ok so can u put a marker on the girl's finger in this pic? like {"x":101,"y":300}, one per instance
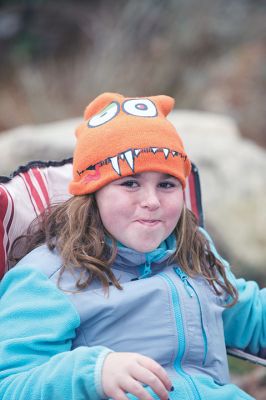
{"x":149,"y":378}
{"x":156,"y":368}
{"x":118,"y":394}
{"x":134,"y":387}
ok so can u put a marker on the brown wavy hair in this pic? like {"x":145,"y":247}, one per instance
{"x":75,"y":229}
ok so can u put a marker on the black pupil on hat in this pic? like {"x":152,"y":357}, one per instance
{"x":141,"y":106}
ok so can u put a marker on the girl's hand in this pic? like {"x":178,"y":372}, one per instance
{"x":126,"y":372}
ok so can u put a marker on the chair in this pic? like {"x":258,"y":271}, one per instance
{"x":31,"y":188}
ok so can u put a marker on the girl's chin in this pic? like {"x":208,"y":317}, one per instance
{"x":144,"y":249}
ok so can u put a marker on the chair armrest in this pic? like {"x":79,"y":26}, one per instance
{"x":246,"y":356}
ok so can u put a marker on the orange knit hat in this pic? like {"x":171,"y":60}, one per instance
{"x":124,"y":136}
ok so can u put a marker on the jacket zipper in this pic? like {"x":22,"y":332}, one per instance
{"x":181,"y":337}
{"x":191,"y":291}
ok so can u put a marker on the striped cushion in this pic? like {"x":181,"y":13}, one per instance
{"x":38,"y":184}
{"x":193,"y":194}
{"x":25,"y":196}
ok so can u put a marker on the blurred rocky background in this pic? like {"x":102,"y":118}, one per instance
{"x":57,"y":55}
{"x":210,"y":55}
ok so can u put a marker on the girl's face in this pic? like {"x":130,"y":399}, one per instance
{"x":142,"y":210}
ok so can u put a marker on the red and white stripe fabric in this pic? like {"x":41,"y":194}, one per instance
{"x":193,"y":194}
{"x":6,"y":218}
{"x":29,"y":192}
{"x":36,"y":186}
{"x":24,"y":197}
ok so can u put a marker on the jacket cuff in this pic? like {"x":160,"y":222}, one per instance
{"x":98,"y":372}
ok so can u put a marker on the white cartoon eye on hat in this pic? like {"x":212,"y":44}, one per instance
{"x":105,"y":115}
{"x":135,"y":107}
{"x":140,"y":107}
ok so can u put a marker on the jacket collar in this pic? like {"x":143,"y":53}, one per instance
{"x":144,"y":264}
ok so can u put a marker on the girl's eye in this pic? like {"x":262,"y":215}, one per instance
{"x":130,"y":184}
{"x":167,"y":185}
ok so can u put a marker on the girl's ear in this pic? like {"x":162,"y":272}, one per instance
{"x":100,"y":102}
{"x":164,"y":103}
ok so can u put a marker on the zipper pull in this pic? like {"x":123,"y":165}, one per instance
{"x":146,"y":269}
{"x":184,"y":278}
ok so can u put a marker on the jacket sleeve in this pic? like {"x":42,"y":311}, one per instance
{"x":37,"y":326}
{"x":245,"y":322}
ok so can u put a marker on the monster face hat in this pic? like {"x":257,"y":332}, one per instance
{"x":125,"y":136}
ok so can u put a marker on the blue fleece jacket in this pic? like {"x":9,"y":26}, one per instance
{"x":53,"y":341}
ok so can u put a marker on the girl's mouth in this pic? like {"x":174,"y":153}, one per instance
{"x":149,"y":222}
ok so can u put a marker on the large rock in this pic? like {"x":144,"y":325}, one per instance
{"x":53,"y":141}
{"x":232,"y":173}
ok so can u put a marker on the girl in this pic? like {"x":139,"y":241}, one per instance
{"x":121,"y":294}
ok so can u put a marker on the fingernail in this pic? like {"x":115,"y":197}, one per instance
{"x":172,"y":389}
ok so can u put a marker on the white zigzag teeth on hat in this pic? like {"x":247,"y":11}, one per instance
{"x":122,"y":156}
{"x":129,"y":157}
{"x":166,"y":152}
{"x":174,"y":153}
{"x":154,"y":149}
{"x":115,"y":165}
{"x":137,"y":151}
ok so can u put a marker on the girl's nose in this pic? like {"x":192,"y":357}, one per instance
{"x":150,"y":200}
